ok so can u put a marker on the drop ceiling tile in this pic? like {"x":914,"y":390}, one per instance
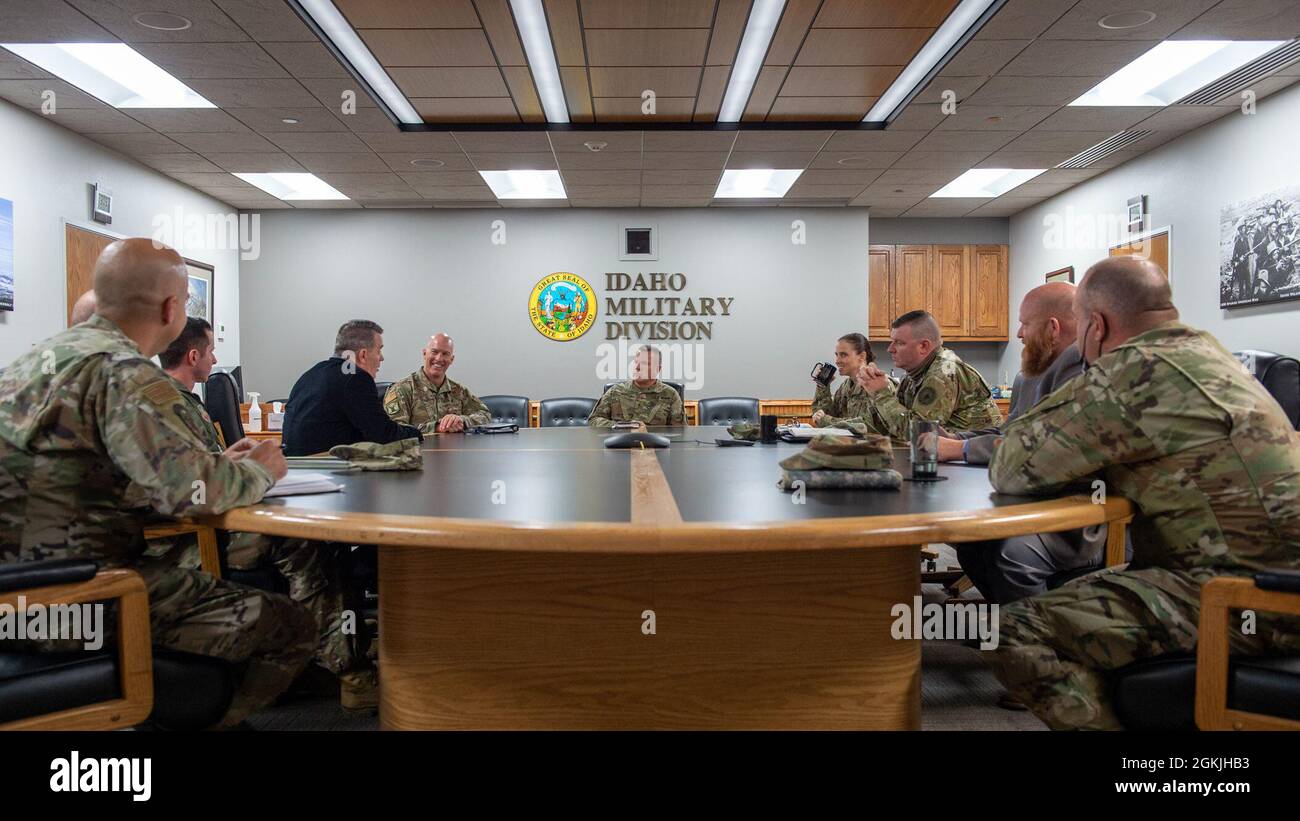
{"x":440,"y":179}
{"x":451,"y":161}
{"x":646,"y":47}
{"x":855,"y":160}
{"x":940,"y":159}
{"x":140,"y":143}
{"x":902,"y":177}
{"x":1056,"y":91}
{"x":222,"y":142}
{"x":1082,"y":21}
{"x":770,"y":159}
{"x":317,"y":141}
{"x":267,"y":20}
{"x":49,"y":22}
{"x":683,"y":160}
{"x":631,"y":81}
{"x":188,"y":61}
{"x":429,"y":47}
{"x":369,"y":185}
{"x":261,"y":162}
{"x":945,"y":206}
{"x":861,"y":46}
{"x":603,"y":160}
{"x":885,"y":203}
{"x":258,"y":205}
{"x":456,"y":192}
{"x":264,"y":120}
{"x":619,"y":178}
{"x":104,"y":120}
{"x":330,"y":91}
{"x":845,"y":176}
{"x":1024,"y":19}
{"x":965,"y":141}
{"x":500,"y":161}
{"x":441,"y":83}
{"x":1071,"y":142}
{"x":254,"y":92}
{"x":647,"y":13}
{"x":409,"y":14}
{"x":316,"y":204}
{"x":500,"y":142}
{"x":535,"y":203}
{"x":602,"y":191}
{"x":341,"y":161}
{"x":210,"y":180}
{"x":919,"y":117}
{"x":629,"y":109}
{"x":1034,"y":188}
{"x":891,"y":139}
{"x":781,"y":140}
{"x":1245,"y":20}
{"x":662,"y":192}
{"x":625,"y":202}
{"x":1004,"y":207}
{"x":305,"y":60}
{"x":838,"y":192}
{"x":32,"y":94}
{"x":689,"y":141}
{"x":899,"y":191}
{"x":1096,"y":118}
{"x":961,"y":87}
{"x":170,"y":163}
{"x":883,"y":211}
{"x":1076,"y":58}
{"x":366,"y":121}
{"x":838,"y":81}
{"x":405,"y":141}
{"x":661,"y":178}
{"x":207,"y":23}
{"x":1013,"y":118}
{"x":1007,"y":158}
{"x":13,"y":67}
{"x":1182,"y":117}
{"x":984,"y":58}
{"x":240,"y":191}
{"x":820,"y":109}
{"x":564,"y":142}
{"x":1074,"y":176}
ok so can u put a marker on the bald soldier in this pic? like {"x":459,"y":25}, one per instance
{"x":86,"y":415}
{"x":939,"y":386}
{"x":1171,"y":421}
{"x":429,"y":400}
{"x":643,"y":399}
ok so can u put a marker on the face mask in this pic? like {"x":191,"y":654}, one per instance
{"x":1083,"y":350}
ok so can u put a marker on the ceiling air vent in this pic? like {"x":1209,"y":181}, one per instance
{"x":1103,"y":149}
{"x":1252,"y":72}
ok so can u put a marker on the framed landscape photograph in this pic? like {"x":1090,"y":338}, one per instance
{"x":199,"y":303}
{"x":6,"y":254}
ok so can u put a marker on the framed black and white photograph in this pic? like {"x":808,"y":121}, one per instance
{"x":1259,"y":249}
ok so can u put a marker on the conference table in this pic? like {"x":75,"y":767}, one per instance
{"x":540,"y":580}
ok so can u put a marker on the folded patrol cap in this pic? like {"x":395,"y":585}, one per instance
{"x":403,"y":454}
{"x":872,"y":452}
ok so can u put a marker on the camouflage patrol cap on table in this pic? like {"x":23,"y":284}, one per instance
{"x":872,"y":452}
{"x":403,"y":454}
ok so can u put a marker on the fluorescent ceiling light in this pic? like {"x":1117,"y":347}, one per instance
{"x":1174,"y":69}
{"x":533,"y":30}
{"x":525,"y":185}
{"x":952,"y":30}
{"x":987,"y":182}
{"x":759,"y":29}
{"x":755,"y":183}
{"x":293,"y":186}
{"x":114,"y":72}
{"x":335,"y":27}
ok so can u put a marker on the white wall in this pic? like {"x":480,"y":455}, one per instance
{"x":1187,"y":181}
{"x":46,"y":170}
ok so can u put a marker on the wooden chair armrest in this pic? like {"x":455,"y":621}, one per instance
{"x":134,"y":651}
{"x":209,"y":557}
{"x":1219,"y":597}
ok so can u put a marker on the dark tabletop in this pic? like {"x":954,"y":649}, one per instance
{"x":565,"y":475}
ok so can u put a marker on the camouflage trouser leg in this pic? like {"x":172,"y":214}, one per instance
{"x":193,"y":612}
{"x":316,"y":580}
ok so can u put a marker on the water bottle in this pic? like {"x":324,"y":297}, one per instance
{"x":254,"y":413}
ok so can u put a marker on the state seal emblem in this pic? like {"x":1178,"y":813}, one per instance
{"x":562,"y":306}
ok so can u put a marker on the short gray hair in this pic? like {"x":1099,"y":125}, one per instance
{"x":922,"y":323}
{"x":356,"y":335}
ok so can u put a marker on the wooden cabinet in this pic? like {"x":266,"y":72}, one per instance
{"x":963,"y":286}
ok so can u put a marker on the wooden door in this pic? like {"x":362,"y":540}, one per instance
{"x":913,"y":283}
{"x":950,"y":302}
{"x":988,"y":290}
{"x":82,"y":248}
{"x":1154,"y":247}
{"x":880,"y":290}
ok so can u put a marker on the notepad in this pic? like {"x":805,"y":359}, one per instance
{"x":297,"y":483}
{"x":808,"y":431}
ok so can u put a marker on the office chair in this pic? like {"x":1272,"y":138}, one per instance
{"x":382,"y":388}
{"x":221,"y":398}
{"x":1280,"y":375}
{"x":567,"y":411}
{"x":507,"y":409}
{"x":728,"y":410}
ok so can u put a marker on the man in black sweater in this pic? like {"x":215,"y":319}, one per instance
{"x":336,"y":403}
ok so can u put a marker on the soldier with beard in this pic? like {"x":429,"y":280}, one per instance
{"x":1005,"y":570}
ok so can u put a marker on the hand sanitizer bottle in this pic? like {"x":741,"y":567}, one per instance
{"x":254,"y":413}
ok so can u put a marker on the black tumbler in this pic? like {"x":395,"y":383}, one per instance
{"x":767,"y":428}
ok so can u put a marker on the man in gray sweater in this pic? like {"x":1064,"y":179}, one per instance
{"x":1008,"y":569}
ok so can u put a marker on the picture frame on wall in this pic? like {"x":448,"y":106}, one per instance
{"x":1065,"y":274}
{"x":6,"y":254}
{"x":1259,"y":249}
{"x":199,"y":302}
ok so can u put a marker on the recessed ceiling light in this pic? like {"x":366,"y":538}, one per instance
{"x":756,"y":183}
{"x":289,"y":121}
{"x":759,"y":28}
{"x":536,"y":36}
{"x":293,"y":186}
{"x":335,"y":28}
{"x":162,"y":21}
{"x":1126,"y":19}
{"x":114,"y":72}
{"x":424,"y":162}
{"x":596,"y":145}
{"x":525,"y":185}
{"x":1172,"y":70}
{"x":987,"y":182}
{"x":956,"y":26}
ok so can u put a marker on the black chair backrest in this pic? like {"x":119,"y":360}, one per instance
{"x":507,"y":409}
{"x":1280,"y":375}
{"x":677,"y":386}
{"x":728,"y":410}
{"x":382,"y":388}
{"x":221,"y":398}
{"x":565,"y":411}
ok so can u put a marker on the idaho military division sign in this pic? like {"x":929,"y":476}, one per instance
{"x":562,"y":307}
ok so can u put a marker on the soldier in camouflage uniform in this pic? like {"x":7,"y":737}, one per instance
{"x":430,"y":401}
{"x":850,"y":401}
{"x":1170,"y":420}
{"x":85,"y":414}
{"x":939,"y":387}
{"x":312,"y":569}
{"x":644,"y":399}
